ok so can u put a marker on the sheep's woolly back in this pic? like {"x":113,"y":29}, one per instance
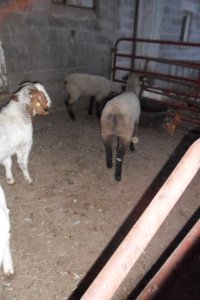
{"x":89,"y":85}
{"x":4,"y":224}
{"x":120,"y":115}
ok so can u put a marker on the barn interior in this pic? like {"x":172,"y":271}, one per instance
{"x":68,"y":223}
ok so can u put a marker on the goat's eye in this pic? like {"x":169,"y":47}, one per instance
{"x":38,"y":104}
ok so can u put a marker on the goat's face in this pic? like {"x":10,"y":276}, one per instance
{"x":39,"y":102}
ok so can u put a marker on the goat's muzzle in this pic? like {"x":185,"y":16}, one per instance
{"x":39,"y":103}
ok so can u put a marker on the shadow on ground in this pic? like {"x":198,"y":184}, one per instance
{"x":175,"y":157}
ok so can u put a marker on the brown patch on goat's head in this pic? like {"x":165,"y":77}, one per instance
{"x":14,"y":98}
{"x":39,"y":103}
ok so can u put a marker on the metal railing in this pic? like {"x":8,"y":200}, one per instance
{"x":186,"y":99}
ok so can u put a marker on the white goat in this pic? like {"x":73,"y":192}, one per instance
{"x":120,"y":117}
{"x":16,"y":126}
{"x":97,"y":87}
{"x":5,"y":254}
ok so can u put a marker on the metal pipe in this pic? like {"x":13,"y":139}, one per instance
{"x":157,"y":282}
{"x":118,"y":266}
{"x":152,"y":41}
{"x":135,"y":27}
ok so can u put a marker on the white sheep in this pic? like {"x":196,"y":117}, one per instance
{"x":96,"y":87}
{"x":5,"y":254}
{"x":16,"y":126}
{"x":120,"y":117}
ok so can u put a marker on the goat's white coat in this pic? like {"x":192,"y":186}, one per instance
{"x":5,"y":254}
{"x":89,"y":85}
{"x":16,"y":132}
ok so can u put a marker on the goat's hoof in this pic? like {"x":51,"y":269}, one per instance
{"x":9,"y":272}
{"x":10,"y":181}
{"x":29,"y":180}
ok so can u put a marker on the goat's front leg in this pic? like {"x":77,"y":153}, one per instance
{"x":8,"y":269}
{"x":22,"y":159}
{"x":7,"y":163}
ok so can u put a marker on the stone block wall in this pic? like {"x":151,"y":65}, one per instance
{"x":44,"y":41}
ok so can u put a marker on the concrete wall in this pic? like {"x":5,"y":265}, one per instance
{"x":173,"y":12}
{"x":43,"y":41}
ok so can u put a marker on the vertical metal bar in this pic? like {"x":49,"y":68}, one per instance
{"x":118,"y":266}
{"x":136,"y":15}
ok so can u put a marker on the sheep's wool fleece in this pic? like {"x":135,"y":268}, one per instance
{"x":90,"y":85}
{"x":119,"y":116}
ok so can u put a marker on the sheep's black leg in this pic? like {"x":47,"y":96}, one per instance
{"x":132,"y":147}
{"x":108,"y":149}
{"x":91,"y":104}
{"x":98,"y":110}
{"x":70,"y":110}
{"x":119,"y":161}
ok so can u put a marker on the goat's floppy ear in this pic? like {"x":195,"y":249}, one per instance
{"x":39,"y":102}
{"x":26,"y":83}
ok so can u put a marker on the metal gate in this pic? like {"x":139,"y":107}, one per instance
{"x":176,"y":81}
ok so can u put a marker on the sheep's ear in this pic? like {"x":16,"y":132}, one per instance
{"x":14,"y":97}
{"x":39,"y":102}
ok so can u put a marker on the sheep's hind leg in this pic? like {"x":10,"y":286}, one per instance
{"x":98,"y":110}
{"x":121,"y":150}
{"x":70,"y":109}
{"x":7,"y":163}
{"x":108,"y":149}
{"x":22,"y":159}
{"x":91,"y":105}
{"x":132,"y":147}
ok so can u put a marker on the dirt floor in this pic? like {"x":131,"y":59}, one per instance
{"x":67,"y":224}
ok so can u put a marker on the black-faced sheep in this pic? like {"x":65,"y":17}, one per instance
{"x":120,"y":117}
{"x":5,"y":254}
{"x":16,"y":126}
{"x":96,"y":87}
